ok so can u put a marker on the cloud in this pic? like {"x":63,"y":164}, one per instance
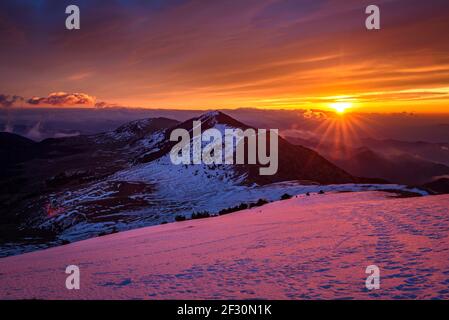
{"x":80,"y":76}
{"x":35,"y":132}
{"x":440,"y":177}
{"x":56,"y":99}
{"x":315,"y":114}
{"x":298,"y":133}
{"x":103,"y":104}
{"x":64,"y":99}
{"x":8,"y":128}
{"x":9,"y":101}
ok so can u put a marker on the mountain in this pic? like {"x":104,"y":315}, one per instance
{"x":15,"y":149}
{"x":136,"y":131}
{"x":84,"y":186}
{"x":412,"y":163}
{"x":427,"y":151}
{"x":439,"y":186}
{"x":34,"y":171}
{"x":11,"y":142}
{"x":401,"y":168}
{"x":295,"y":162}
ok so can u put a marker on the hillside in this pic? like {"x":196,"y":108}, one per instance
{"x":315,"y":247}
{"x":15,"y":149}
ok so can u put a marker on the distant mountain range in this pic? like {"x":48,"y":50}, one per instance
{"x":412,"y":163}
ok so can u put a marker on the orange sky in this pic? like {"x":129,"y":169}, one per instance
{"x":216,"y":54}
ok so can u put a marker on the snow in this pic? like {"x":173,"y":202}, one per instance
{"x":315,"y":247}
{"x":178,"y":190}
{"x":215,"y":189}
{"x":128,"y":131}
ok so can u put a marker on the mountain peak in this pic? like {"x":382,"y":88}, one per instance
{"x":212,"y":118}
{"x":138,"y":129}
{"x":212,"y":114}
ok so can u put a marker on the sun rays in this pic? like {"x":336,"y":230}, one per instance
{"x":341,"y":135}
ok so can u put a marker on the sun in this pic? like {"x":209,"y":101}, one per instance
{"x":341,"y":107}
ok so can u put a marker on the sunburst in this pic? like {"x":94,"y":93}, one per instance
{"x":341,"y":107}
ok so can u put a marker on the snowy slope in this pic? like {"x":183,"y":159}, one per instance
{"x":176,"y":190}
{"x":315,"y":247}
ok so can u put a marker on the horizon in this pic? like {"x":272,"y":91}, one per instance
{"x":329,"y":110}
{"x":41,"y":123}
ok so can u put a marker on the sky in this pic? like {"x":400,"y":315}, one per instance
{"x":198,"y":54}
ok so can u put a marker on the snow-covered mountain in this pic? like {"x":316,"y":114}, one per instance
{"x":295,"y":162}
{"x":86,"y":186}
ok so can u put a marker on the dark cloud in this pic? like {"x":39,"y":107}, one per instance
{"x":9,"y":101}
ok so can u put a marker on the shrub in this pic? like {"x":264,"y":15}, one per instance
{"x":107,"y":232}
{"x":286,"y":196}
{"x":240,"y":207}
{"x":259,"y":203}
{"x":180,"y":218}
{"x":200,"y":215}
